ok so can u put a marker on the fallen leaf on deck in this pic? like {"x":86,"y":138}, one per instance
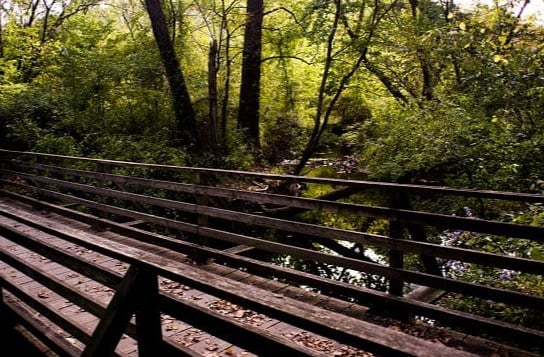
{"x":212,"y":348}
{"x":240,"y":313}
{"x":44,"y":294}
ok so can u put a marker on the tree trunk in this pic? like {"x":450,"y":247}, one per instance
{"x":226,"y":92}
{"x":1,"y":38}
{"x":183,"y":109}
{"x":212,"y":141}
{"x":248,"y":111}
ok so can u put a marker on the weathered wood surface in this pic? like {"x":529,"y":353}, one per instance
{"x":337,"y":314}
{"x":393,"y":214}
{"x":347,"y":330}
{"x":513,"y":196}
{"x":485,"y":292}
{"x":374,"y":298}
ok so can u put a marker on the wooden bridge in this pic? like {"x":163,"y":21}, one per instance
{"x":101,"y":257}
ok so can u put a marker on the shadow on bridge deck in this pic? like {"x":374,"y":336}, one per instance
{"x":17,"y":341}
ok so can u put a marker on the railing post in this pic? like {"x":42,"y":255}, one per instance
{"x":396,"y":257}
{"x":136,"y":294}
{"x":148,"y":317}
{"x":202,"y":199}
{"x":202,"y":220}
{"x":101,"y":168}
{"x":39,"y":160}
{"x":2,"y":303}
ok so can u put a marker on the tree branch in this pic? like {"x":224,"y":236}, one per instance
{"x":284,"y":57}
{"x":281,"y":8}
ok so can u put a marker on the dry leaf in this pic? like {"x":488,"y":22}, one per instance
{"x":44,"y":294}
{"x":240,"y":313}
{"x":212,"y":347}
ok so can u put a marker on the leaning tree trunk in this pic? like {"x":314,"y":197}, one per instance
{"x":248,"y":111}
{"x":183,"y":109}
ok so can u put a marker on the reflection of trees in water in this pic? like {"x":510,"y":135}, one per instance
{"x":336,"y":273}
{"x":333,"y":272}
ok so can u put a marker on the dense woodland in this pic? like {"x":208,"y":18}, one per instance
{"x":409,"y":91}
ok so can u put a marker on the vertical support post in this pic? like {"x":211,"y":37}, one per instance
{"x":148,"y":317}
{"x":2,"y":304}
{"x":202,"y":199}
{"x":202,"y":220}
{"x":3,"y":313}
{"x":396,"y":257}
{"x":39,"y":160}
{"x":136,"y":294}
{"x":101,"y":168}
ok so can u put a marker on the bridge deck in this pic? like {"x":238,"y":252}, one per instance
{"x":179,"y":332}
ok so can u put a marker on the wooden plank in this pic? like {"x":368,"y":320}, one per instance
{"x":253,"y":338}
{"x":85,"y":302}
{"x":42,"y":307}
{"x":471,"y":322}
{"x":233,"y":290}
{"x":44,"y":332}
{"x":496,"y":294}
{"x":355,"y":332}
{"x":485,"y":292}
{"x":239,"y":249}
{"x":134,"y":223}
{"x":53,"y":283}
{"x":422,"y":248}
{"x":186,"y":227}
{"x":75,"y":263}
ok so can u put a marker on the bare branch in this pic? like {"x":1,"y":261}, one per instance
{"x":281,"y":8}
{"x":284,"y":57}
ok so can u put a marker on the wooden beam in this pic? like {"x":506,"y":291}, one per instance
{"x":44,"y":332}
{"x":148,"y":317}
{"x":239,"y":249}
{"x":386,"y":186}
{"x":399,"y":215}
{"x":122,"y":307}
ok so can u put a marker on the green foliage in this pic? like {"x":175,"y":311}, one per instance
{"x":283,"y":139}
{"x":501,"y":279}
{"x":401,"y":139}
{"x":54,"y":144}
{"x":451,"y":144}
{"x":127,"y":148}
{"x":531,"y":284}
{"x":240,"y":153}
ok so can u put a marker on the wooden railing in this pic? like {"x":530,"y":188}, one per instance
{"x":199,"y":212}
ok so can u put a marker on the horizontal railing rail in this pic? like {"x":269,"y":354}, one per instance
{"x":201,"y":210}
